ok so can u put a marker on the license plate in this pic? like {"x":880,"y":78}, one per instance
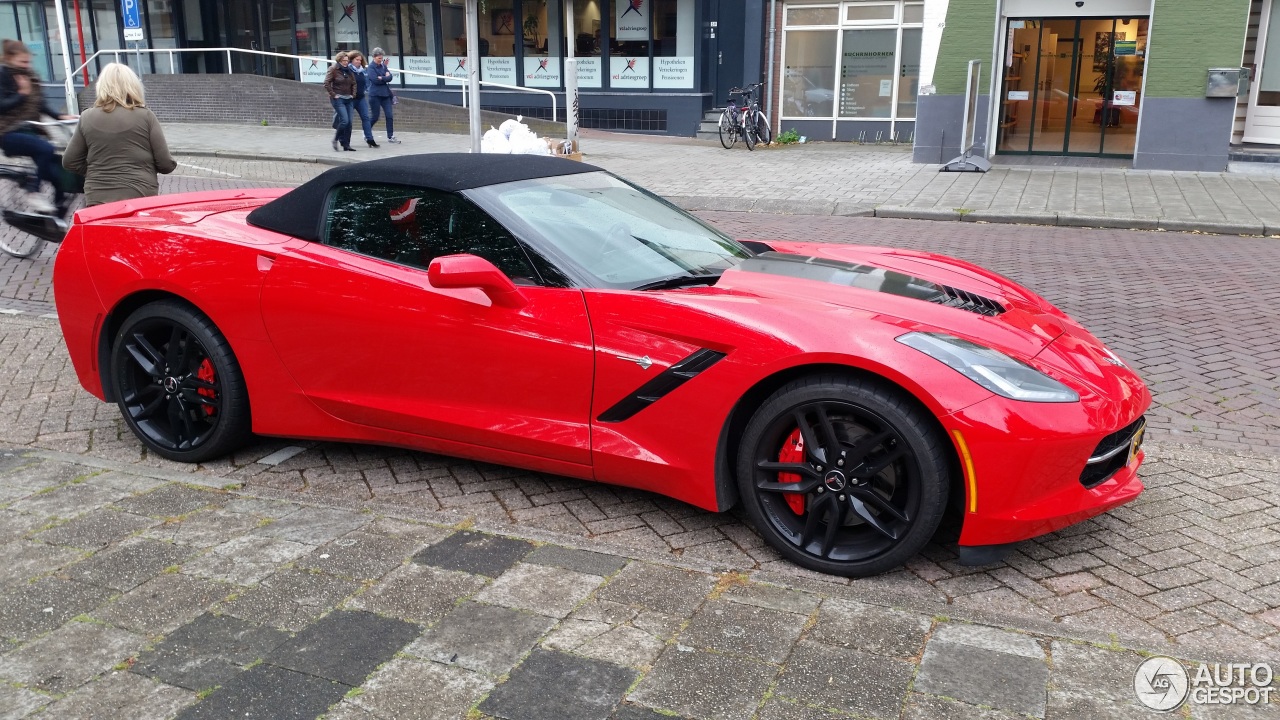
{"x":1135,"y":443}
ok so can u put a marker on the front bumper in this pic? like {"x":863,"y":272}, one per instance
{"x":1029,"y":465}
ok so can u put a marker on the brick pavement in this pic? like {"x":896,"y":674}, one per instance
{"x":1190,"y":566}
{"x":126,"y":593}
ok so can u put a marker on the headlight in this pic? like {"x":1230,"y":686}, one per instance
{"x":991,"y":369}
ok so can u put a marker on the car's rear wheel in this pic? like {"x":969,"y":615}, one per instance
{"x":843,"y":476}
{"x":178,"y":384}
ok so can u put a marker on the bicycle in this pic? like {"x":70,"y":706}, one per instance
{"x":34,"y":229}
{"x":746,"y":120}
{"x":754,"y":120}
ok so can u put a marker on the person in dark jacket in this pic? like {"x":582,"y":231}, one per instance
{"x":340,"y":83}
{"x":381,"y":98}
{"x":21,"y":101}
{"x":359,"y":103}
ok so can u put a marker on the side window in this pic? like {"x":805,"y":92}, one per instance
{"x":413,"y":226}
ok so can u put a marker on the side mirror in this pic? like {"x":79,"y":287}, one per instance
{"x":471,"y":271}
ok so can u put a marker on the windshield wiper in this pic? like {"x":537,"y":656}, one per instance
{"x":679,"y":281}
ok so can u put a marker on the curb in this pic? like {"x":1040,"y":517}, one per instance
{"x":1255,"y":228}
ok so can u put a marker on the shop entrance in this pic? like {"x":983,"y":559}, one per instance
{"x":1262,"y":123}
{"x":1072,"y":86}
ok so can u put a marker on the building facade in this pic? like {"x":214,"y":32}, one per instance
{"x":1107,"y":78}
{"x":644,"y":65}
{"x":1153,"y":81}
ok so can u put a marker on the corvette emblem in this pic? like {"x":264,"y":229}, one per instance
{"x":644,"y":362}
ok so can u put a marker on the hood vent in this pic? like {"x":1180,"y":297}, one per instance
{"x":868,"y":277}
{"x":963,"y":300}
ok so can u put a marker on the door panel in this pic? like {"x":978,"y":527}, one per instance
{"x":372,"y":342}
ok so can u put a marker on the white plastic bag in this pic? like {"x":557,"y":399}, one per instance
{"x":524,"y":142}
{"x":494,"y":141}
{"x":509,"y":125}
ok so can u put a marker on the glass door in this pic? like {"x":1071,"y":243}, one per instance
{"x":1072,"y":86}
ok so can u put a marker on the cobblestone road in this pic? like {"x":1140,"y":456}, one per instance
{"x":1192,"y":563}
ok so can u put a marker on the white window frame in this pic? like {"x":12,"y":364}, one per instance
{"x":845,"y":24}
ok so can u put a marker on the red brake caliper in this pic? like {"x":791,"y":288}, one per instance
{"x":205,"y":373}
{"x":792,"y":452}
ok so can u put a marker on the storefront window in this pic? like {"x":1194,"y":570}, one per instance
{"x":417,"y":47}
{"x":543,"y":40}
{"x":280,"y":39}
{"x":864,"y":66}
{"x":31,"y":32}
{"x":909,"y":72}
{"x":344,"y":24}
{"x":587,"y":43}
{"x":870,"y":13}
{"x":309,"y":27}
{"x":866,"y":73}
{"x":499,"y":31}
{"x":797,"y":16}
{"x":160,"y":19}
{"x":631,"y":25}
{"x":453,"y":33}
{"x":673,"y":44}
{"x":809,"y":77}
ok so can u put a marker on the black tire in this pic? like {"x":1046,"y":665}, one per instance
{"x":748,"y":133}
{"x":763,"y":132}
{"x":178,"y":384}
{"x":728,"y":133}
{"x":853,"y":521}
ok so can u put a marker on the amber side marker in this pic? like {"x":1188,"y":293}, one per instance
{"x":968,"y":470}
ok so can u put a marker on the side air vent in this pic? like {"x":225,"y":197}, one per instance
{"x":964,"y":300}
{"x":662,"y":385}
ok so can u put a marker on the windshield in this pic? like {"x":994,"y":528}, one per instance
{"x":615,"y":233}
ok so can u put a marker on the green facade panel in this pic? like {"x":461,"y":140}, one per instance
{"x":967,"y":36}
{"x":1187,"y":38}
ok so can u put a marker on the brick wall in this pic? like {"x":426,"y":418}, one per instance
{"x":235,"y":99}
{"x":1188,"y":38}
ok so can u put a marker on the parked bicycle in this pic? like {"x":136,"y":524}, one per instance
{"x":744,"y":119}
{"x":34,"y":229}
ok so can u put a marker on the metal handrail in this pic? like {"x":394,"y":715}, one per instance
{"x":74,"y":107}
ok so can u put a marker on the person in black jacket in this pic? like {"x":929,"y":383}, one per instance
{"x":20,"y":102}
{"x":359,"y":104}
{"x":381,"y":99}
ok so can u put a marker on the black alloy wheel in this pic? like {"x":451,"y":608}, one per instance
{"x":842,"y":475}
{"x":178,"y":384}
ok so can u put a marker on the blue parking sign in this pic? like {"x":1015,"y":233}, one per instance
{"x":132,"y":20}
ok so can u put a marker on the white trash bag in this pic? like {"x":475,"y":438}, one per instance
{"x":494,"y":141}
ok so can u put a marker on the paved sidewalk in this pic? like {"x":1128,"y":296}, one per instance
{"x":136,"y":592}
{"x":841,"y":179}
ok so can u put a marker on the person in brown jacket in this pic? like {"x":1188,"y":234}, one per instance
{"x":119,"y":146}
{"x":340,"y":82}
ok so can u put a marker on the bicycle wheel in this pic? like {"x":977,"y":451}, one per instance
{"x":748,"y":132}
{"x":763,"y":132}
{"x":16,"y":240}
{"x":728,"y":132}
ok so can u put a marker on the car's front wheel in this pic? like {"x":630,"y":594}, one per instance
{"x":178,"y":384}
{"x":842,"y":475}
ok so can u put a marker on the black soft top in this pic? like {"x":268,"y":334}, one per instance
{"x":299,"y":212}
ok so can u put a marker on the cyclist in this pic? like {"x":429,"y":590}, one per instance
{"x":20,"y":102}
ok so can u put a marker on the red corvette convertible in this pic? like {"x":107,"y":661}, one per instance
{"x":545,"y":314}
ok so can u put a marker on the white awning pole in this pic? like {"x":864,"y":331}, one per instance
{"x":69,"y":84}
{"x":570,"y":75}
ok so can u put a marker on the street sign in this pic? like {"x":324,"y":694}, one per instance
{"x":132,"y":20}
